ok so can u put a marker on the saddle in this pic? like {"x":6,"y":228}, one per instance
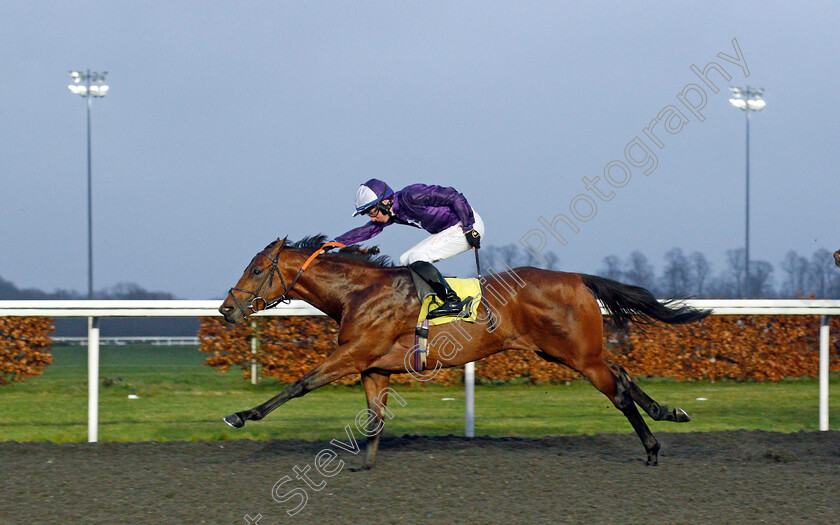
{"x":470,"y":292}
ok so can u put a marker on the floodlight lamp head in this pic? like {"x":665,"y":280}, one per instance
{"x":756,"y":104}
{"x":749,"y":99}
{"x":87,"y":84}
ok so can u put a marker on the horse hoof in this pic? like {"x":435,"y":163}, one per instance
{"x":680,"y":416}
{"x":653,"y":455}
{"x":234,"y":420}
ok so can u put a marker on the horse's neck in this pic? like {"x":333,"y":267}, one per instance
{"x":325,"y":283}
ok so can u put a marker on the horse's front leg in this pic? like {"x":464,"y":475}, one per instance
{"x":335,"y":367}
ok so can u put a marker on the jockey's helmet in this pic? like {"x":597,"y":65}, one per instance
{"x":370,"y":194}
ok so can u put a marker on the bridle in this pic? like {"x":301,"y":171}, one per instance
{"x":258,"y":295}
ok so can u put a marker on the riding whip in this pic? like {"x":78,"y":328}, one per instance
{"x":481,"y":287}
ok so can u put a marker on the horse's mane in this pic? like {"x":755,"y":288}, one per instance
{"x":313,"y":242}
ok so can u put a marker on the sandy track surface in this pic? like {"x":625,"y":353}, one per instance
{"x":711,"y":477}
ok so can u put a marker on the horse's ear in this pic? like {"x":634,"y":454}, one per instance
{"x":282,"y":241}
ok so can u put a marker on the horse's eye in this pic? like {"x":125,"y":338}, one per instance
{"x":257,"y":271}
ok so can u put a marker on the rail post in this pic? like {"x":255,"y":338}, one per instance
{"x":469,"y":399}
{"x":824,"y":340}
{"x":255,"y":344}
{"x":93,"y":379}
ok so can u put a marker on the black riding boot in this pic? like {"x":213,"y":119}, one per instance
{"x":452,"y":304}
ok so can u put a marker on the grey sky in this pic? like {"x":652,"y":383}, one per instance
{"x":230,"y":124}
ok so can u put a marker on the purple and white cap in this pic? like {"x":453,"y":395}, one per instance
{"x":370,"y":194}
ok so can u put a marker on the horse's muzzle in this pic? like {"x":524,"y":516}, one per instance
{"x":230,"y":313}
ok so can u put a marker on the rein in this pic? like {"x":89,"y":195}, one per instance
{"x":258,"y":294}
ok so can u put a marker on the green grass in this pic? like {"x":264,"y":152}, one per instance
{"x":181,"y":400}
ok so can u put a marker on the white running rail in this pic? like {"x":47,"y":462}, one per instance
{"x":93,"y":310}
{"x":166,"y":340}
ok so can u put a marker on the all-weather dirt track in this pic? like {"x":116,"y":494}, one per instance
{"x":710,"y":477}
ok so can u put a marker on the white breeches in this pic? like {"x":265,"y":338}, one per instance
{"x":442,"y":245}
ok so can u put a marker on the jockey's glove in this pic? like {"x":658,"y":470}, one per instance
{"x":473,"y":238}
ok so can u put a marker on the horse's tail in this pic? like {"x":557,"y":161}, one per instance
{"x":633,"y":303}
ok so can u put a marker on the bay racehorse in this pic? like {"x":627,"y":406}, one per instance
{"x":555,"y":314}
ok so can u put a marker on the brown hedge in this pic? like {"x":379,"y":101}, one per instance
{"x":762,"y":348}
{"x":289,"y":346}
{"x":24,"y":347}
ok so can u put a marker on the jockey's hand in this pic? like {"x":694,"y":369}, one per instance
{"x":473,"y":238}
{"x":374,"y":250}
{"x":328,"y":248}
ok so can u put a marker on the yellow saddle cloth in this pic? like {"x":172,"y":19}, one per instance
{"x":465,"y":288}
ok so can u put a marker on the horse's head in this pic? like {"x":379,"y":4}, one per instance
{"x":261,"y":286}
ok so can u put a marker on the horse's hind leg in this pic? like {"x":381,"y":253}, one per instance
{"x":656,"y":411}
{"x":619,"y":392}
{"x":617,"y":388}
{"x":376,"y":391}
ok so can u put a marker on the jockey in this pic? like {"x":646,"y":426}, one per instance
{"x":443,"y":212}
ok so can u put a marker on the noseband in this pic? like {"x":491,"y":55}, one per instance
{"x":258,"y":295}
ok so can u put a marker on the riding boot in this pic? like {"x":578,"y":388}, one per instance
{"x":452,"y":304}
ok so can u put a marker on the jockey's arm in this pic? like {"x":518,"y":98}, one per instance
{"x":362,"y":233}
